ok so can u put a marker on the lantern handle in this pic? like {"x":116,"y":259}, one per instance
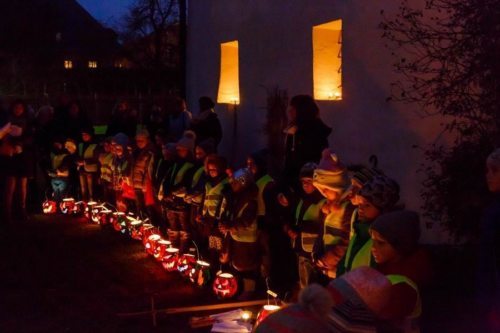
{"x":198,"y":257}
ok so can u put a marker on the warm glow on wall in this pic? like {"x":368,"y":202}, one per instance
{"x":68,"y":64}
{"x":327,"y":61}
{"x":229,"y":84}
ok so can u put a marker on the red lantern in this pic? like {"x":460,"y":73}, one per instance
{"x":78,"y":208}
{"x":161,"y":249}
{"x":104,"y":216}
{"x":170,"y":259}
{"x":264,"y":312}
{"x":118,"y":220}
{"x":147,"y":230}
{"x":225,"y":285}
{"x":49,"y":207}
{"x":67,"y":205}
{"x":186,"y":262}
{"x":135,"y":229}
{"x":151,"y":243}
{"x":88,"y":210}
{"x":200,"y":274}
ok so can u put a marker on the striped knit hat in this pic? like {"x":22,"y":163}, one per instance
{"x":331,"y":173}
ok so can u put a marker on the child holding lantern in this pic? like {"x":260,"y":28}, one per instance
{"x":239,"y":225}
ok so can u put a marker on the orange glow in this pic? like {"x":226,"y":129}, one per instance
{"x":229,"y":85}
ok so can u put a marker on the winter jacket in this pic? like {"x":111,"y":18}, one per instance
{"x":142,"y":169}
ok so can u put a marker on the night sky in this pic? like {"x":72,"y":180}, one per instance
{"x":106,"y":11}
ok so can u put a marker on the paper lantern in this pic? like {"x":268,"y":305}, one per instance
{"x":229,"y":85}
{"x":170,"y":259}
{"x":135,"y":229}
{"x":264,"y":312}
{"x":103,"y":216}
{"x":225,"y":285}
{"x":161,"y":249}
{"x":67,"y":205}
{"x":49,"y":207}
{"x":88,"y":210}
{"x":327,"y":61}
{"x":78,"y":208}
{"x":150,"y":245}
{"x":200,"y":274}
{"x":147,"y":230}
{"x":186,"y":262}
{"x":118,"y":220}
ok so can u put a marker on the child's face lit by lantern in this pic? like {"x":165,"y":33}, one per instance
{"x":307,"y":185}
{"x":86,"y":137}
{"x":199,"y":154}
{"x":141,"y":141}
{"x":329,"y":193}
{"x":252,"y":166}
{"x":18,"y":109}
{"x":493,"y":175}
{"x":182,"y":152}
{"x":213,"y":172}
{"x":118,"y":150}
{"x":366,"y":210}
{"x":382,"y":250}
{"x":108,"y":147}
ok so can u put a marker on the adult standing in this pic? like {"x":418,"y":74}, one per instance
{"x":124,"y":120}
{"x":306,"y":137}
{"x":206,"y":124}
{"x":179,"y":120}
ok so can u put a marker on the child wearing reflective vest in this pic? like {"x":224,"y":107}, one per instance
{"x":106,"y":175}
{"x":239,"y":225}
{"x":330,"y":178}
{"x":306,"y":224}
{"x":173,"y":190}
{"x":379,"y":195}
{"x":212,"y":210}
{"x":397,"y":254}
{"x":120,"y":171}
{"x":88,"y":164}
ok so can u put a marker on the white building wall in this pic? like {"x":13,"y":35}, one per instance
{"x":275,"y":47}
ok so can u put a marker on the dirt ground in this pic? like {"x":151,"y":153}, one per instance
{"x":61,"y":275}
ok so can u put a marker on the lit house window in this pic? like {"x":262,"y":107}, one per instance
{"x":229,"y":85}
{"x":68,"y":64}
{"x":92,"y":64}
{"x":327,"y":61}
{"x":118,"y":64}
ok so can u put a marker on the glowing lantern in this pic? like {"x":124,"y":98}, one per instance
{"x":264,"y":312}
{"x":225,"y":285}
{"x":103,"y":216}
{"x":150,"y":245}
{"x":170,"y":259}
{"x":186,"y":262}
{"x":147,"y":230}
{"x":78,"y":208}
{"x":200,"y":273}
{"x":327,"y":61}
{"x":161,"y":249}
{"x":67,"y":205}
{"x":118,"y":221}
{"x":229,"y":85}
{"x":88,"y":210}
{"x":134,"y":228}
{"x":49,"y":207}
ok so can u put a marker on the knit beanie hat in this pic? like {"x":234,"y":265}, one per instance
{"x":381,"y":191}
{"x":307,"y":170}
{"x":400,"y":228}
{"x":242,"y":176}
{"x":365,"y":293}
{"x":122,"y":140}
{"x":208,"y":146}
{"x":205,"y":103}
{"x":187,"y":141}
{"x":330,"y":173}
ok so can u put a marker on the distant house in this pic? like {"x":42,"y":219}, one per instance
{"x":332,"y":50}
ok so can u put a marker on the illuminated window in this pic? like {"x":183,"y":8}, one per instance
{"x":229,"y":85}
{"x":327,"y":61}
{"x":118,"y":64}
{"x":68,"y":64}
{"x":92,"y":64}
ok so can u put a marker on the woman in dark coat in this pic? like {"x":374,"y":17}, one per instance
{"x":306,"y":137}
